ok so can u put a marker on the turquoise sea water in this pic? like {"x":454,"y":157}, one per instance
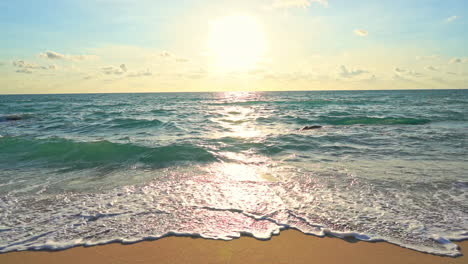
{"x":96,"y":168}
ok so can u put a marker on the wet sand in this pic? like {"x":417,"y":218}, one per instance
{"x":287,"y":248}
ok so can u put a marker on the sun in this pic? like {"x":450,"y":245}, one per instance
{"x":236,"y":43}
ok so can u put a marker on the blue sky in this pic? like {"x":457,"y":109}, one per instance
{"x":305,"y":45}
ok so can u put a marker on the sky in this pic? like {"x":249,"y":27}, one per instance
{"x":100,"y":46}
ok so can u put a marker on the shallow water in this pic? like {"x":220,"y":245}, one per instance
{"x":90,"y":169}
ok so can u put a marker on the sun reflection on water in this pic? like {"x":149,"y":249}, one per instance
{"x":240,"y":122}
{"x":243,"y":167}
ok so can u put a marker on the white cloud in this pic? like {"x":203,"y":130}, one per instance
{"x":322,"y":2}
{"x":431,"y":68}
{"x":52,"y":55}
{"x":165,"y":54}
{"x":407,"y":73}
{"x":122,"y":70}
{"x":297,"y":3}
{"x":111,"y":70}
{"x":181,"y":60}
{"x":24,"y":71}
{"x":361,"y":32}
{"x":139,"y":74}
{"x":427,"y":57}
{"x":451,"y":19}
{"x":346,"y":73}
{"x":171,"y":56}
{"x":123,"y":67}
{"x":28,"y":67}
{"x":458,"y":60}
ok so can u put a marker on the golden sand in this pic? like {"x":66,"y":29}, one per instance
{"x":287,"y":248}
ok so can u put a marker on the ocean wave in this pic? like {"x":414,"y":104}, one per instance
{"x":163,"y":111}
{"x":374,"y":121}
{"x":59,"y":152}
{"x":131,"y":123}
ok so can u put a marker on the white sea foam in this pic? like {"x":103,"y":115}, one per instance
{"x":216,"y":205}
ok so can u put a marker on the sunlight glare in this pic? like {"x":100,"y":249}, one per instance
{"x":236,"y":43}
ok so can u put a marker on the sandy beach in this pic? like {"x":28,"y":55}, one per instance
{"x":289,"y":247}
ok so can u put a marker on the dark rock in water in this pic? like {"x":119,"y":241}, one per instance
{"x":11,"y":118}
{"x":311,"y":127}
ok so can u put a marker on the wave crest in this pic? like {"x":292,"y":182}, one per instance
{"x":59,"y":152}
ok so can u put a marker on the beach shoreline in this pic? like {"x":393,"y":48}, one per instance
{"x":290,"y":246}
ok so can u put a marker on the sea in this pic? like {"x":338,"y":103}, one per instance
{"x":88,"y":169}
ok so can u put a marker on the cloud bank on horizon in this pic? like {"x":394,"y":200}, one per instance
{"x":117,"y":46}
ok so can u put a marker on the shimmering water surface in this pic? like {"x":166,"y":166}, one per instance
{"x":91,"y":169}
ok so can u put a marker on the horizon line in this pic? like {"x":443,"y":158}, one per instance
{"x":240,"y":91}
